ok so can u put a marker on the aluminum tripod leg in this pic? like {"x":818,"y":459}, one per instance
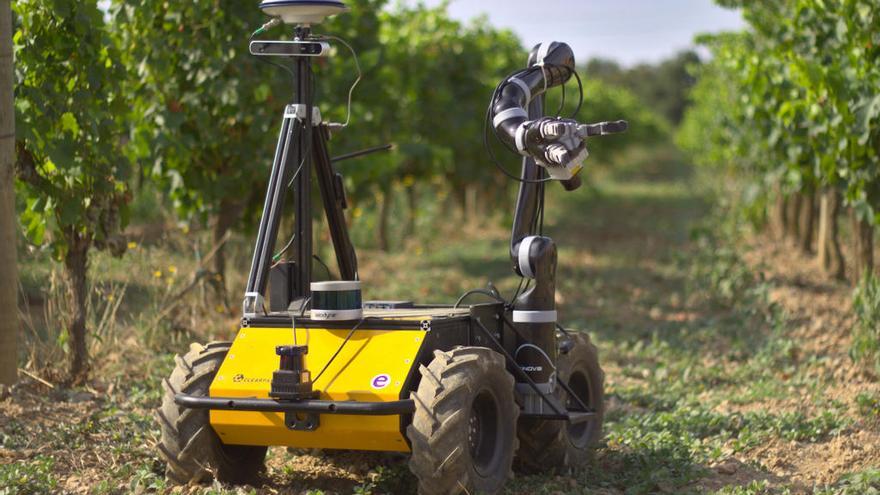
{"x":332,"y":193}
{"x":282,"y":168}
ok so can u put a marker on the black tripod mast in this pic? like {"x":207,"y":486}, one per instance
{"x":302,"y":145}
{"x":302,"y":186}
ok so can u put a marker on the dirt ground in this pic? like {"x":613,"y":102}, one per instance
{"x":819,"y":316}
{"x":748,"y":395}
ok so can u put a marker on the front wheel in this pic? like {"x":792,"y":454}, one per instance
{"x":550,"y":445}
{"x":192,"y":450}
{"x":463,"y":433}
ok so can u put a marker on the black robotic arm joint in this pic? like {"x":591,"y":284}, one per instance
{"x":550,"y":65}
{"x":535,"y":257}
{"x":554,"y":53}
{"x":555,"y":144}
{"x":534,"y":310}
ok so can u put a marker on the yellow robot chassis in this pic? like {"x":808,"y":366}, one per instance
{"x":468,"y":390}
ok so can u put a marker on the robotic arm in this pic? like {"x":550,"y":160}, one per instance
{"x":556,"y":144}
{"x":550,"y":146}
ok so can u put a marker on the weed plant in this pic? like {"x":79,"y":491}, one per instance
{"x":866,"y":331}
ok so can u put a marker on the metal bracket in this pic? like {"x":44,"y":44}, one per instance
{"x":534,"y":403}
{"x":511,"y":361}
{"x":559,"y":380}
{"x":295,"y":48}
{"x":302,"y":421}
{"x":548,"y":316}
{"x":298,"y":111}
{"x":253,"y":304}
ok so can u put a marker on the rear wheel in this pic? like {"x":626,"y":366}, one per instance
{"x":192,"y":450}
{"x":550,"y":445}
{"x":463,"y":433}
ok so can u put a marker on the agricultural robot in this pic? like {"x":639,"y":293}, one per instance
{"x":468,"y":390}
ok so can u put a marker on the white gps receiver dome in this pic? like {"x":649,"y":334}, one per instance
{"x":302,"y":11}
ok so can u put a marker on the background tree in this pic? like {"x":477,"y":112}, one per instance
{"x":438,"y":97}
{"x":206,"y":112}
{"x":426,"y":83}
{"x":8,"y":269}
{"x":70,"y":166}
{"x":604,"y":101}
{"x":807,"y":118}
{"x":663,"y":87}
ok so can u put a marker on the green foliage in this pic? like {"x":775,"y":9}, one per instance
{"x":362,"y":29}
{"x":675,"y":389}
{"x":70,"y":125}
{"x":438,"y":79}
{"x":793,"y":102}
{"x":753,"y":488}
{"x":866,"y":331}
{"x":603,"y":101}
{"x":205,"y":111}
{"x":687,"y":429}
{"x":208,"y":111}
{"x":719,"y":274}
{"x":667,"y":448}
{"x":427,"y":82}
{"x":868,"y":405}
{"x":34,"y":476}
{"x":860,"y":483}
{"x":707,"y":134}
{"x":663,"y":87}
{"x":395,"y":478}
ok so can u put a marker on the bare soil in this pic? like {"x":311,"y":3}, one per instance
{"x":624,"y":260}
{"x":819,"y":316}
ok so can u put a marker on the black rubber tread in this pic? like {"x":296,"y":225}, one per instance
{"x":441,"y":455}
{"x":541,"y":446}
{"x":189,"y":445}
{"x":546,"y":446}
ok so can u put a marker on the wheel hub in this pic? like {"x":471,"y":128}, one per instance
{"x":482,"y":436}
{"x":579,"y":433}
{"x":474,"y":432}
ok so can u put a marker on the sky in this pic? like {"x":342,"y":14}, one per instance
{"x":629,"y":31}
